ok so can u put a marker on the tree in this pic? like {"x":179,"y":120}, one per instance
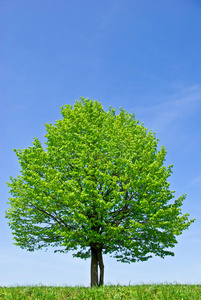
{"x":99,"y":187}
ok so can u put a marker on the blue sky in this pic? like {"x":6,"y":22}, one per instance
{"x":144,"y":56}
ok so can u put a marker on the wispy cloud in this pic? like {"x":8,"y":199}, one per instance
{"x":107,"y":19}
{"x":195,"y":182}
{"x":173,"y":108}
{"x":113,"y":10}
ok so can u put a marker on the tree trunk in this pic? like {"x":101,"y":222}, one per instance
{"x":96,"y":259}
{"x":101,"y":266}
{"x":94,"y":267}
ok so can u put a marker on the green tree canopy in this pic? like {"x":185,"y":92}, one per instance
{"x":100,"y":186}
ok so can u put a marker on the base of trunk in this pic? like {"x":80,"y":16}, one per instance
{"x":96,"y":260}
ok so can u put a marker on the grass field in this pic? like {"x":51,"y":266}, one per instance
{"x":142,"y":292}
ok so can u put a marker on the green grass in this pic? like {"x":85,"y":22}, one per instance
{"x":138,"y":292}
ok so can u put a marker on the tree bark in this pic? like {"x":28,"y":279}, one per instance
{"x":96,"y":259}
{"x":94,"y":267}
{"x":101,"y":266}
